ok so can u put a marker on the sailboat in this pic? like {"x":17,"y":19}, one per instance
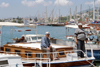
{"x":58,"y":23}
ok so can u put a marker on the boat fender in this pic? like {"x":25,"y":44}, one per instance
{"x":17,"y":65}
{"x":37,"y":65}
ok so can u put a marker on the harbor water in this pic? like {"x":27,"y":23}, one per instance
{"x":56,"y":32}
{"x":8,"y":34}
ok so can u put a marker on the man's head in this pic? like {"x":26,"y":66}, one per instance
{"x":80,"y":25}
{"x":23,"y":38}
{"x":47,"y":34}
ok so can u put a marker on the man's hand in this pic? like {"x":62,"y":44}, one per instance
{"x":75,"y":45}
{"x":76,"y":42}
{"x":48,"y":48}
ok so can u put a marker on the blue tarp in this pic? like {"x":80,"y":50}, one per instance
{"x":96,"y":22}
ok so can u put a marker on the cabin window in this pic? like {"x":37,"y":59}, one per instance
{"x":34,"y":38}
{"x":27,"y":53}
{"x":37,"y":55}
{"x":61,"y":53}
{"x":27,"y":38}
{"x":39,"y":37}
{"x":7,"y":50}
{"x":4,"y":62}
{"x":17,"y":52}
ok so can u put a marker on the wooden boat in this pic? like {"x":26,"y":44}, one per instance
{"x":56,"y":24}
{"x":32,"y":55}
{"x":8,"y":60}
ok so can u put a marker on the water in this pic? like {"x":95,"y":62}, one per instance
{"x":56,"y":32}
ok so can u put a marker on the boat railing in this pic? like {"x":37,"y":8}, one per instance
{"x":44,"y":53}
{"x":10,"y":65}
{"x":40,"y":59}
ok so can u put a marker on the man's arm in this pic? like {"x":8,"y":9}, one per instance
{"x":44,"y":43}
{"x":75,"y":41}
{"x":76,"y":34}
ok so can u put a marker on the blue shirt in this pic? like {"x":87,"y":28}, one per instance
{"x":45,"y":42}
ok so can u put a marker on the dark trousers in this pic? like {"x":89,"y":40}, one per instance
{"x":80,"y":46}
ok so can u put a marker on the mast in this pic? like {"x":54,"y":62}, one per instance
{"x":59,"y":15}
{"x":58,"y":12}
{"x":38,"y":17}
{"x":53,"y":15}
{"x":70,"y":14}
{"x":0,"y":37}
{"x":76,"y":14}
{"x":46,"y":15}
{"x":94,"y":10}
{"x":81,"y":12}
{"x":89,"y":14}
{"x":98,"y":13}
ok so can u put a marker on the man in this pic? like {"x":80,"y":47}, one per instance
{"x":79,"y":39}
{"x":46,"y":46}
{"x":22,"y":39}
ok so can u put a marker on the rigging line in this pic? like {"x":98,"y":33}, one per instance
{"x":52,"y":11}
{"x":36,"y":13}
{"x":55,"y":11}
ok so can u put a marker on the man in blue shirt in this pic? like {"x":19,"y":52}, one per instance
{"x":46,"y":46}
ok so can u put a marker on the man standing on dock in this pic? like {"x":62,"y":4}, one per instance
{"x":80,"y":37}
{"x":46,"y":46}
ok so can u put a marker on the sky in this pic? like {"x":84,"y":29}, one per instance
{"x":27,"y":8}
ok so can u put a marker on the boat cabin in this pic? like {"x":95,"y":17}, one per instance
{"x":32,"y":53}
{"x":33,"y":50}
{"x":33,"y":37}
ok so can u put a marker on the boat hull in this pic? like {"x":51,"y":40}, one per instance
{"x":56,"y":25}
{"x":68,"y":64}
{"x":96,"y":54}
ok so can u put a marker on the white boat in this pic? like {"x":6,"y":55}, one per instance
{"x":90,"y":44}
{"x":33,"y":37}
{"x":32,"y":55}
{"x":9,"y":60}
